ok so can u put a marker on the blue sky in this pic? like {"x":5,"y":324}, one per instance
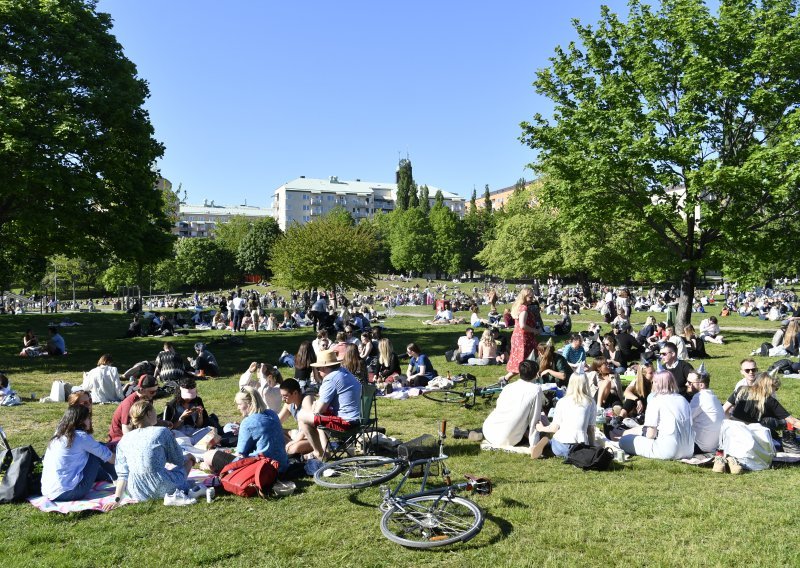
{"x":247,"y":95}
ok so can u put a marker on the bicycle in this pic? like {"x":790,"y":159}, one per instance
{"x":425,"y":519}
{"x":466,"y":397}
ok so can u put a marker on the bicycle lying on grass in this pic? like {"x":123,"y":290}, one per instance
{"x":466,"y":397}
{"x":427,"y":518}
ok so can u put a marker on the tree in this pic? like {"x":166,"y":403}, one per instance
{"x":230,"y":235}
{"x":404,"y":180}
{"x":425,"y":199}
{"x":473,"y":202}
{"x":685,"y":119}
{"x":448,"y":236}
{"x":199,"y":263}
{"x":413,"y":196}
{"x":411,"y":241}
{"x":326,"y":253}
{"x":256,"y":247}
{"x":438,"y":199}
{"x":487,"y":199}
{"x":77,"y":162}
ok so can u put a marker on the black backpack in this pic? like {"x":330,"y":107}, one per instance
{"x":589,"y":457}
{"x":21,"y":473}
{"x":782,"y":365}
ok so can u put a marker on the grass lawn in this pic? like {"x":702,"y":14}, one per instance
{"x":645,"y":513}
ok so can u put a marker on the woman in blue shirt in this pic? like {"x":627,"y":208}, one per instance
{"x":74,"y":460}
{"x":259,"y":433}
{"x":420,"y":369}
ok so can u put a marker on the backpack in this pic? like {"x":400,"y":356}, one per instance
{"x":20,"y":472}
{"x":589,"y":457}
{"x":764,"y":349}
{"x":782,"y":365}
{"x":248,"y":477}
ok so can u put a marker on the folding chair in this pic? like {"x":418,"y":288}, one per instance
{"x":359,"y":435}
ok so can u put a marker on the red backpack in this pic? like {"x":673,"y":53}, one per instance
{"x":248,"y":477}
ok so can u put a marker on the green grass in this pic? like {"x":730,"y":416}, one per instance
{"x":645,"y":513}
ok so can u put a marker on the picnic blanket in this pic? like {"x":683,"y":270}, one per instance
{"x":101,"y":494}
{"x":526,"y":449}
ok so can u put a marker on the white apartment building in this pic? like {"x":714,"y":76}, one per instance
{"x":304,"y":199}
{"x":200,"y":220}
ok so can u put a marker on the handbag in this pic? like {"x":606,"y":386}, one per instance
{"x":60,"y":390}
{"x":20,"y":472}
{"x":248,"y":477}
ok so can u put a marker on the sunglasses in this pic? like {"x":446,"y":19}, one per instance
{"x":750,"y":370}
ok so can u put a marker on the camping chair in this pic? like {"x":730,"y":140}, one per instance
{"x":357,"y":439}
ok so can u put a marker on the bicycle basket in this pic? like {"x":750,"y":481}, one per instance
{"x":423,"y":447}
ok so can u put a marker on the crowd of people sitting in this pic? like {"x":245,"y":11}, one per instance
{"x":667,"y":411}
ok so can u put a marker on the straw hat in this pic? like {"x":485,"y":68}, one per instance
{"x":326,"y":358}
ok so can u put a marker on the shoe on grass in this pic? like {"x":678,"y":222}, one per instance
{"x":197,"y":492}
{"x":720,"y":465}
{"x":178,"y":499}
{"x":734,"y":465}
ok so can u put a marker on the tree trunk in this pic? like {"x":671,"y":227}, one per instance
{"x":685,"y":300}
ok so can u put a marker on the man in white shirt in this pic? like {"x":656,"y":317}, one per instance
{"x":678,"y":342}
{"x":239,"y":305}
{"x":518,"y":410}
{"x":707,"y":412}
{"x":467,"y":346}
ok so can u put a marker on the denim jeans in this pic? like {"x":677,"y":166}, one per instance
{"x":95,"y":470}
{"x":559,"y":449}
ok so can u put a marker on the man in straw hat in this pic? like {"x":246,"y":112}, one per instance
{"x":337,"y":406}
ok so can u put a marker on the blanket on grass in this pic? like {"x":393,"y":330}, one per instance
{"x":101,"y":494}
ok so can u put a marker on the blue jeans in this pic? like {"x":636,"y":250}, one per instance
{"x":95,"y":470}
{"x":560,"y":449}
{"x":287,"y":360}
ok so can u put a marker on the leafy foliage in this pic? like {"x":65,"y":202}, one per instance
{"x":411,"y":240}
{"x":448,"y":237}
{"x":255,"y":248}
{"x":686,"y":120}
{"x":327,"y":253}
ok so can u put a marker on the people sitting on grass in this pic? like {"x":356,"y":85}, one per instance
{"x":74,"y":460}
{"x":573,"y":421}
{"x":518,"y":410}
{"x":695,"y":346}
{"x":121,"y":420}
{"x":388,"y":364}
{"x":169,"y":364}
{"x":338,"y":404}
{"x":574,"y":352}
{"x":56,"y":346}
{"x":709,"y":330}
{"x":142,"y":457}
{"x":353,"y":363}
{"x":680,"y":369}
{"x":756,"y":403}
{"x":205,"y":364}
{"x":295,"y":399}
{"x":487,"y":350}
{"x":103,"y":381}
{"x":636,"y":394}
{"x":259,"y":433}
{"x":467,"y":347}
{"x":30,"y":345}
{"x":420,"y":369}
{"x":707,"y":411}
{"x":553,"y":367}
{"x":667,"y":432}
{"x":604,"y":385}
{"x":187,"y":413}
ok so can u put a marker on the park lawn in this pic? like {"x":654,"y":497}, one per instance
{"x":645,"y":513}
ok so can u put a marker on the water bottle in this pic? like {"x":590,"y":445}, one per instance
{"x":210,"y":494}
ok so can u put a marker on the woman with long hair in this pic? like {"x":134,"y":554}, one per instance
{"x":353,"y":363}
{"x":667,"y":432}
{"x":187,"y":412}
{"x":695,"y":345}
{"x":303,"y":371}
{"x":487,"y":350}
{"x":388,"y":362}
{"x":573,"y":422}
{"x":74,"y":460}
{"x":143,"y":455}
{"x":634,"y":404}
{"x":259,"y":433}
{"x":553,"y":367}
{"x":604,"y":384}
{"x":523,"y":339}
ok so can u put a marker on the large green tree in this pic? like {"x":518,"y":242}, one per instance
{"x":411,"y":241}
{"x":405,"y":181}
{"x":199,"y":263}
{"x":448,"y":238}
{"x":77,"y":158}
{"x":256,"y":247}
{"x":328,"y":253}
{"x":684,"y":118}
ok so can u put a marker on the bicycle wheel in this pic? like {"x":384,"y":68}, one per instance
{"x":428,"y":521}
{"x":446,"y":396}
{"x":357,"y":472}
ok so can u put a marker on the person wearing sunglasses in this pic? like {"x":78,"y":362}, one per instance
{"x":668,"y":357}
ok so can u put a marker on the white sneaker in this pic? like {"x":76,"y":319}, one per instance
{"x":197,"y":492}
{"x":178,"y":499}
{"x":284,"y":354}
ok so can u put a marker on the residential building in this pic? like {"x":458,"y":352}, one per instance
{"x":304,"y":199}
{"x":200,"y":220}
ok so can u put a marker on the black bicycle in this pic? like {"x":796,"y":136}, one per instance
{"x":427,"y":518}
{"x":469,"y":395}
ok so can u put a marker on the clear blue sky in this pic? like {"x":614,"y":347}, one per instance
{"x":247,"y":95}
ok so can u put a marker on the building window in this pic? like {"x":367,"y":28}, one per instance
{"x":330,"y":198}
{"x":306,"y":218}
{"x":305,"y":196}
{"x":306,"y":207}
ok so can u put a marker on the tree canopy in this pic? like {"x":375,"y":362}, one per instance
{"x":326,"y":253}
{"x":255,"y":248}
{"x":77,"y":159}
{"x":684,"y":119}
{"x":411,"y":240}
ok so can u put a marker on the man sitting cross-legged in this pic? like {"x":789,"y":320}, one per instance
{"x":293,"y":401}
{"x":338,"y":405}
